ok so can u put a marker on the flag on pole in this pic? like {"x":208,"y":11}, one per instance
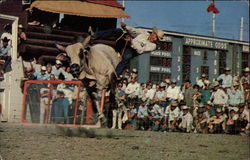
{"x":212,"y":8}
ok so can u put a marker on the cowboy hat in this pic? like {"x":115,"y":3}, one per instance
{"x":5,"y":39}
{"x":20,"y":26}
{"x":185,"y":107}
{"x":246,"y":69}
{"x":43,"y":68}
{"x":227,"y":69}
{"x":158,"y":32}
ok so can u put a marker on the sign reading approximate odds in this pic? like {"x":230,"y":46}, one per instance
{"x":205,"y":43}
{"x":160,"y":69}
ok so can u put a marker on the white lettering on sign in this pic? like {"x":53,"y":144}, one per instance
{"x":161,"y":53}
{"x":205,"y":43}
{"x":160,"y":69}
{"x":155,"y":69}
{"x":197,"y":53}
{"x":245,"y":48}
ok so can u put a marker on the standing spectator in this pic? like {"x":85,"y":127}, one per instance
{"x":132,"y":90}
{"x":21,"y":40}
{"x":219,"y":98}
{"x":142,"y":91}
{"x":225,"y":79}
{"x":186,"y":123}
{"x":172,"y":114}
{"x":201,"y":81}
{"x":205,"y":92}
{"x":160,"y":96}
{"x":235,"y":96}
{"x":191,"y":96}
{"x":174,"y":92}
{"x":42,"y":75}
{"x":133,"y":74}
{"x":245,"y":77}
{"x":67,"y":75}
{"x":150,"y":93}
{"x":7,"y":33}
{"x":57,"y":70}
{"x":119,"y":107}
{"x":59,"y":111}
{"x":44,"y":102}
{"x":5,"y":54}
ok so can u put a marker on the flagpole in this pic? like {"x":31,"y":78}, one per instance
{"x":123,"y":4}
{"x":213,"y":25}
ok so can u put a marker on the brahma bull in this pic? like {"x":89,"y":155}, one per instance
{"x":97,"y":63}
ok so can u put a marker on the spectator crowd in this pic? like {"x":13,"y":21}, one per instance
{"x":221,"y":106}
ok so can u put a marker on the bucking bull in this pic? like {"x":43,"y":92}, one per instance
{"x":95,"y":63}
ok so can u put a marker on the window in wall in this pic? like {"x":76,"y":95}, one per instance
{"x":205,"y":70}
{"x":158,"y":77}
{"x":161,"y":61}
{"x":245,"y":60}
{"x":165,"y":46}
{"x":222,"y":61}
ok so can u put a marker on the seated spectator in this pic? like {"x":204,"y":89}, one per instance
{"x":186,"y":120}
{"x":215,"y":122}
{"x":244,"y":118}
{"x":200,"y":122}
{"x":155,"y":113}
{"x":130,"y":117}
{"x":42,"y":75}
{"x":172,"y":114}
{"x":210,"y":111}
{"x":232,"y":126}
{"x":142,"y":116}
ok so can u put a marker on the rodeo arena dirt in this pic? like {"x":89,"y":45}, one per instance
{"x":71,"y":94}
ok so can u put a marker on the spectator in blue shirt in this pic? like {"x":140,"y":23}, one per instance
{"x":42,"y":75}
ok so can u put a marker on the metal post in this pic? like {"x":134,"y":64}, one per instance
{"x":213,"y":25}
{"x":241,"y":28}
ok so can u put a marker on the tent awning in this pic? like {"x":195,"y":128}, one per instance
{"x":80,"y":8}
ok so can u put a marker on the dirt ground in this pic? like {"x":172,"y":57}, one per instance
{"x":22,"y":142}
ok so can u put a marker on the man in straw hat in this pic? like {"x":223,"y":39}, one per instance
{"x":226,"y":79}
{"x":5,"y":53}
{"x":235,"y":96}
{"x":245,"y":76}
{"x":141,"y":41}
{"x":218,"y":97}
{"x":215,"y":123}
{"x":186,"y":123}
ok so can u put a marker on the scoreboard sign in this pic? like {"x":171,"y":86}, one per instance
{"x":205,"y":43}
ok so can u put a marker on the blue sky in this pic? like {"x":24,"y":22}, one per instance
{"x":190,"y":17}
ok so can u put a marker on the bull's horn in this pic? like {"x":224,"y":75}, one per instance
{"x":86,"y":41}
{"x":60,"y":47}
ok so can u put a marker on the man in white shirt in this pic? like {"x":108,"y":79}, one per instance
{"x":186,"y":123}
{"x":201,"y":81}
{"x":132,"y":91}
{"x":219,"y":97}
{"x":226,"y":78}
{"x":172,"y":114}
{"x":174,"y":92}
